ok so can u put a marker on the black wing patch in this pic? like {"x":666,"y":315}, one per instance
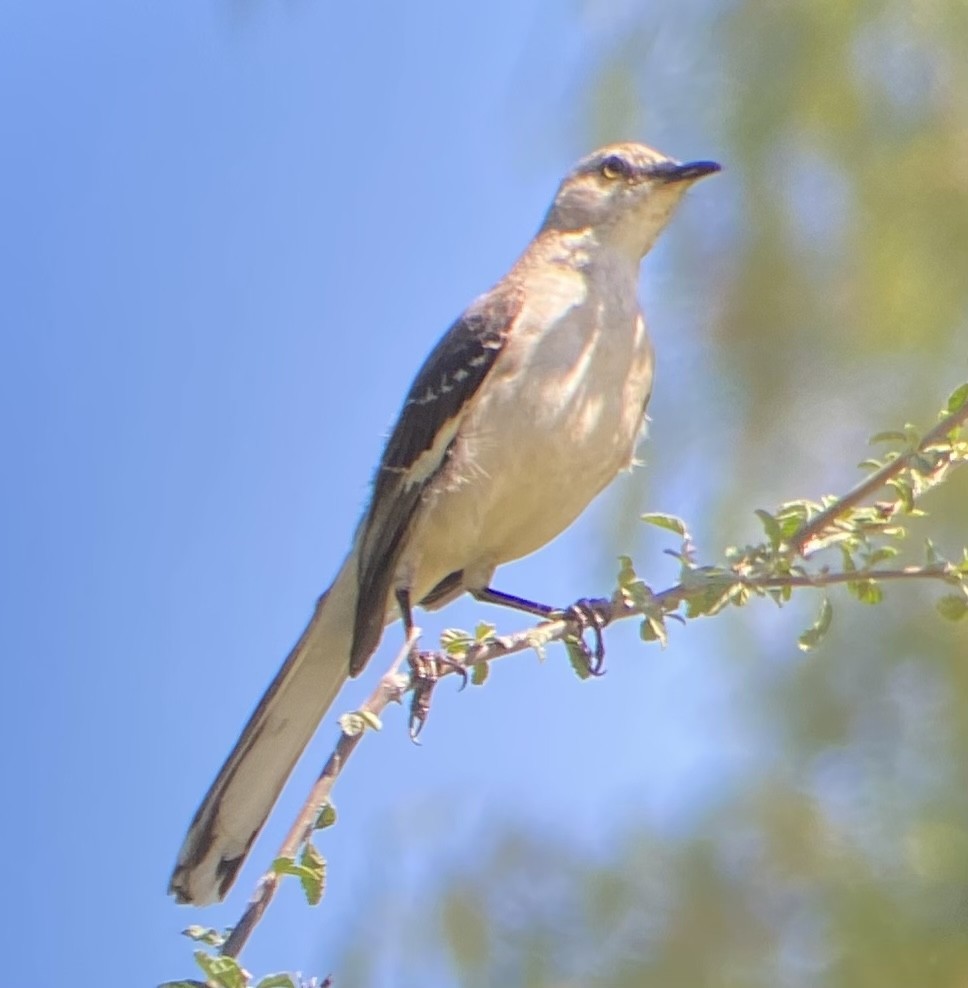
{"x":448,"y":379}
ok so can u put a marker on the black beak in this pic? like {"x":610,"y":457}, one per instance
{"x":670,"y":171}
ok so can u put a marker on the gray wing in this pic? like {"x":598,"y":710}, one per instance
{"x":449,"y":378}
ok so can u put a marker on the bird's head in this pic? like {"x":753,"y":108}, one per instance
{"x":624,"y":194}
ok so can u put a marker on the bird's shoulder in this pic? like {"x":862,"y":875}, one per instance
{"x":452,"y":374}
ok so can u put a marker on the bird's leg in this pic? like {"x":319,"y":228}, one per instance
{"x":587,"y":614}
{"x":406,"y":611}
{"x":423,"y":675}
{"x":424,"y":669}
{"x":488,"y":595}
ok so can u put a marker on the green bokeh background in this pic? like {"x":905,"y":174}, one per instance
{"x":827,"y":299}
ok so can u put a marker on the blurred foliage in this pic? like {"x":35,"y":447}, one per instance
{"x":831,"y":299}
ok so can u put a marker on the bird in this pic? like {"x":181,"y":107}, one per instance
{"x":525,"y":410}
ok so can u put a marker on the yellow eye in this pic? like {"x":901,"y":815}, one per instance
{"x":615,"y":167}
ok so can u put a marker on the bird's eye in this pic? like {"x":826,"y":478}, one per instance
{"x":615,"y":167}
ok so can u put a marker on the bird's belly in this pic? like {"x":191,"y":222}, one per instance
{"x":528,"y":461}
{"x":538,"y":478}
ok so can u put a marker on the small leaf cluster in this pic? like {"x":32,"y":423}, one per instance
{"x":635,"y":594}
{"x":227,"y":972}
{"x":310,"y":869}
{"x":458,"y":644}
{"x":358,"y":721}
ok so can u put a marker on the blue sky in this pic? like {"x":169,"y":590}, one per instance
{"x":229,"y":233}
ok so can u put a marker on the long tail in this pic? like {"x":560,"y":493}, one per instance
{"x":242,"y":796}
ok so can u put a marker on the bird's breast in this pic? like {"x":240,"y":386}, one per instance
{"x":557,"y":418}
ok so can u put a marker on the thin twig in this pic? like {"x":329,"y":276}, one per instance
{"x":669,"y":599}
{"x":390,"y":688}
{"x":855,"y":576}
{"x":799,"y":542}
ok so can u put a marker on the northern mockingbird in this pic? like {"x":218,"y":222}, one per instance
{"x":530,"y":404}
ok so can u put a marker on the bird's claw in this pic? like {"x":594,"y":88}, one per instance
{"x":590,"y":614}
{"x":424,"y":674}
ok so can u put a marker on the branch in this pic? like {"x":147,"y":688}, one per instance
{"x":774,"y":568}
{"x":812,"y":529}
{"x":391,"y":688}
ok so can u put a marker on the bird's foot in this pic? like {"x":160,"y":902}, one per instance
{"x":589,"y":614}
{"x":425,"y":672}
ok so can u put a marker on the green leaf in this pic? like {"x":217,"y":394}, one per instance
{"x":812,"y":637}
{"x":931,"y":554}
{"x":352,"y":724}
{"x":923,"y":463}
{"x":890,"y":436}
{"x":577,"y":658}
{"x":454,"y":641}
{"x":710,"y":589}
{"x":326,"y":818}
{"x":312,"y":874}
{"x":283,"y":866}
{"x":226,"y":972}
{"x":866,"y":591}
{"x":358,"y":721}
{"x":310,"y":870}
{"x":779,"y":595}
{"x":881,"y":554}
{"x":479,"y":673}
{"x":205,"y":934}
{"x":957,"y":398}
{"x":182,"y":984}
{"x":849,"y":565}
{"x":484,"y":632}
{"x":653,"y":629}
{"x":633,"y":591}
{"x":904,"y":491}
{"x":538,"y":637}
{"x":277,"y":981}
{"x":668,"y":522}
{"x":953,"y":606}
{"x":772,"y":528}
{"x":626,"y":572}
{"x":792,"y":514}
